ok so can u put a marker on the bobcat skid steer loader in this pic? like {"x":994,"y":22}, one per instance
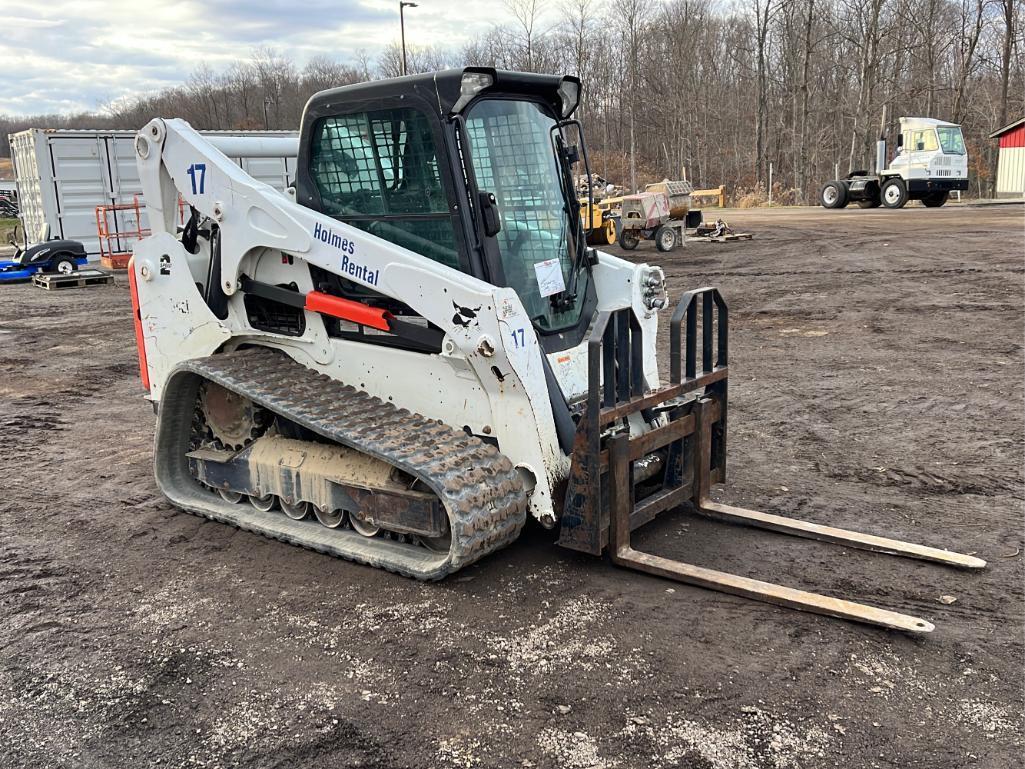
{"x":416,"y":350}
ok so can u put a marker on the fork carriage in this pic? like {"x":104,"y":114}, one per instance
{"x":622,"y":479}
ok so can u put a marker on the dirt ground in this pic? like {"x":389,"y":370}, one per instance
{"x":876,"y":383}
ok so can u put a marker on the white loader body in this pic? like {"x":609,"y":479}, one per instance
{"x":489,"y":377}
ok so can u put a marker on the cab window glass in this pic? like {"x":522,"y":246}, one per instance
{"x":379,"y":171}
{"x":951,"y":140}
{"x":924,"y":141}
{"x":511,"y":149}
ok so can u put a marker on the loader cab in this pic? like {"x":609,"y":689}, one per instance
{"x":471,"y":168}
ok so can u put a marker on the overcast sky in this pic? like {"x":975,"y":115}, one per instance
{"x":73,"y":55}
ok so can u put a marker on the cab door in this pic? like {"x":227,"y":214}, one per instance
{"x":920,"y":146}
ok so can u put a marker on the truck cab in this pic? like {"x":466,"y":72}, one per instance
{"x":930,"y":159}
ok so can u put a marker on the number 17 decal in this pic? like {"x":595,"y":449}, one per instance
{"x":518,"y":338}
{"x":197,"y":172}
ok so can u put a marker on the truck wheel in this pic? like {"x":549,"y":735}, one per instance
{"x":833,"y":195}
{"x":629,"y":240}
{"x":64,"y":265}
{"x":665,"y":238}
{"x":935,"y":199}
{"x":894,"y":193}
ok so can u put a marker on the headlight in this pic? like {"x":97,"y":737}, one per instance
{"x":569,"y":93}
{"x":471,"y":85}
{"x":653,"y":289}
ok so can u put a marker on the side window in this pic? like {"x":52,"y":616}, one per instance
{"x":924,"y":141}
{"x":344,"y":167}
{"x":379,"y":171}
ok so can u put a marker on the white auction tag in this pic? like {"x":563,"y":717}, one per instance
{"x":549,"y":277}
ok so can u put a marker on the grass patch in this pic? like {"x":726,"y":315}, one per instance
{"x":6,"y":228}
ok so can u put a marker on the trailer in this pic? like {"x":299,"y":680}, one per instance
{"x":63,"y":175}
{"x":661,"y":213}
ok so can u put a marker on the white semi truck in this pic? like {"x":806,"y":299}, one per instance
{"x":929,"y":163}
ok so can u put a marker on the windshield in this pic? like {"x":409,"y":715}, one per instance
{"x":513,"y":158}
{"x":951,"y":140}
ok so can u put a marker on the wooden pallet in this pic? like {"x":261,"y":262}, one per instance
{"x":52,"y":281}
{"x":721,"y":238}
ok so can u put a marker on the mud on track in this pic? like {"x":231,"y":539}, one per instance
{"x":877,"y":383}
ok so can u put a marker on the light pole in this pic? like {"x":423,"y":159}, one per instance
{"x":267,"y":101}
{"x":402,"y":27}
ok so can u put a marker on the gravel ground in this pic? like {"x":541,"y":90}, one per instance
{"x":877,"y":383}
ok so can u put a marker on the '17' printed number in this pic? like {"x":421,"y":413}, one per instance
{"x":517,"y":335}
{"x":197,"y":172}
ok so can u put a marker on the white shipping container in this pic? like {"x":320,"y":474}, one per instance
{"x":64,"y":174}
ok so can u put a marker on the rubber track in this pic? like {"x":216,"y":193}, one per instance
{"x":481,"y":491}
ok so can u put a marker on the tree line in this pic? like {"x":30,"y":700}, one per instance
{"x":726,"y":93}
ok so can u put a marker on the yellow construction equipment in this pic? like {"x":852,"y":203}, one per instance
{"x":599,"y":222}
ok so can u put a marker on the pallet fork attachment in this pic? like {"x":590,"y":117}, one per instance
{"x":611,"y":492}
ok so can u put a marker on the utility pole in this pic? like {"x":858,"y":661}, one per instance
{"x":267,"y":101}
{"x":403,"y":4}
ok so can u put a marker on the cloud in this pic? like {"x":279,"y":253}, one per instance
{"x":74,"y":55}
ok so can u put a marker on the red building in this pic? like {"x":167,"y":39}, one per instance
{"x":1011,"y":162}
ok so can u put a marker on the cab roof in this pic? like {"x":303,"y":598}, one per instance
{"x":925,"y":122}
{"x":439,"y":89}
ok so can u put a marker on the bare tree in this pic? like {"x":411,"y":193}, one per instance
{"x":579,"y":18}
{"x":1009,"y":16}
{"x":868,"y":70}
{"x":419,"y":58}
{"x":632,"y":12}
{"x":972,"y":21}
{"x":528,"y":15}
{"x":801,"y":151}
{"x":763,"y":12}
{"x":719,"y":89}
